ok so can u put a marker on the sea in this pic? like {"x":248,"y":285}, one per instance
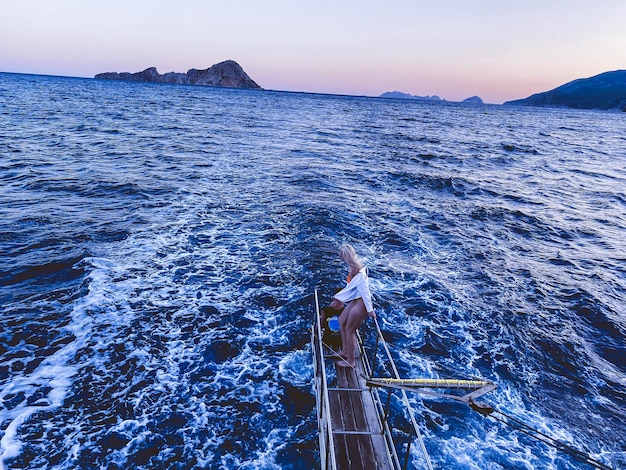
{"x":161,"y":246}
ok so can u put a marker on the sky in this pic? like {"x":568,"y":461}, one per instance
{"x":498,"y":50}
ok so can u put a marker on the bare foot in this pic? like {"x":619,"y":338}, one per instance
{"x":340,"y":355}
{"x":344,"y":364}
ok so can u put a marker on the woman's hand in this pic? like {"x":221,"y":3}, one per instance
{"x":336,"y":304}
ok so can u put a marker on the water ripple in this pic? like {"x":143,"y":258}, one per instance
{"x":161,"y":246}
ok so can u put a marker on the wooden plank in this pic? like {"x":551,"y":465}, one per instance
{"x":339,"y":441}
{"x":362,"y":444}
{"x":348,"y":418}
{"x":371,"y":421}
{"x":354,"y":410}
{"x":377,"y":440}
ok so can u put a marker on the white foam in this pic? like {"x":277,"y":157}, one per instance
{"x":56,"y":371}
{"x":296,"y":367}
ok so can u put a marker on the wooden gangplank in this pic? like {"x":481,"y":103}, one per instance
{"x":358,"y":435}
{"x":353,"y":432}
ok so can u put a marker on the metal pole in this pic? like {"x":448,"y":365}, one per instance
{"x":406,"y":402}
{"x":375,"y":354}
{"x":408,"y":450}
{"x":387,"y":406}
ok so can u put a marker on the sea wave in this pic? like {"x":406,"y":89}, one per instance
{"x":162,"y":245}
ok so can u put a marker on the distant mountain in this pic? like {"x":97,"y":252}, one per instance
{"x":225,"y":74}
{"x":406,"y":96}
{"x":473,"y":100}
{"x":604,"y":91}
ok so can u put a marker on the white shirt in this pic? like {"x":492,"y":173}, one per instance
{"x":358,"y":287}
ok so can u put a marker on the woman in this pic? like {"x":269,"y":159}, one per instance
{"x":357,"y":295}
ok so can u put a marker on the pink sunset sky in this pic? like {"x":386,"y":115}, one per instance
{"x":451,"y":48}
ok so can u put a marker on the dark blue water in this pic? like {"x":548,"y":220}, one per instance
{"x":161,"y":245}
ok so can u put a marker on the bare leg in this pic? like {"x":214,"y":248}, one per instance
{"x":355,"y":314}
{"x":343,"y":318}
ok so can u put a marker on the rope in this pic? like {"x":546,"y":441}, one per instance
{"x":509,"y":420}
{"x":382,"y":382}
{"x":335,"y":354}
{"x":482,"y":408}
{"x":519,"y":425}
{"x":405,"y":399}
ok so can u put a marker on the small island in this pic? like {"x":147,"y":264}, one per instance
{"x":473,"y":100}
{"x":407,"y":96}
{"x":228,"y":74}
{"x":606,"y":91}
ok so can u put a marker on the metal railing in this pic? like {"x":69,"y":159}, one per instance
{"x":327,"y":450}
{"x":375,"y":355}
{"x":385,"y":411}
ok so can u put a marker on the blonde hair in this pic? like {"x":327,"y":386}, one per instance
{"x":347,"y":254}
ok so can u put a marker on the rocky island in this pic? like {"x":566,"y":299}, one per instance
{"x":473,"y":100}
{"x":225,"y":74}
{"x":606,"y":91}
{"x":408,"y":96}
